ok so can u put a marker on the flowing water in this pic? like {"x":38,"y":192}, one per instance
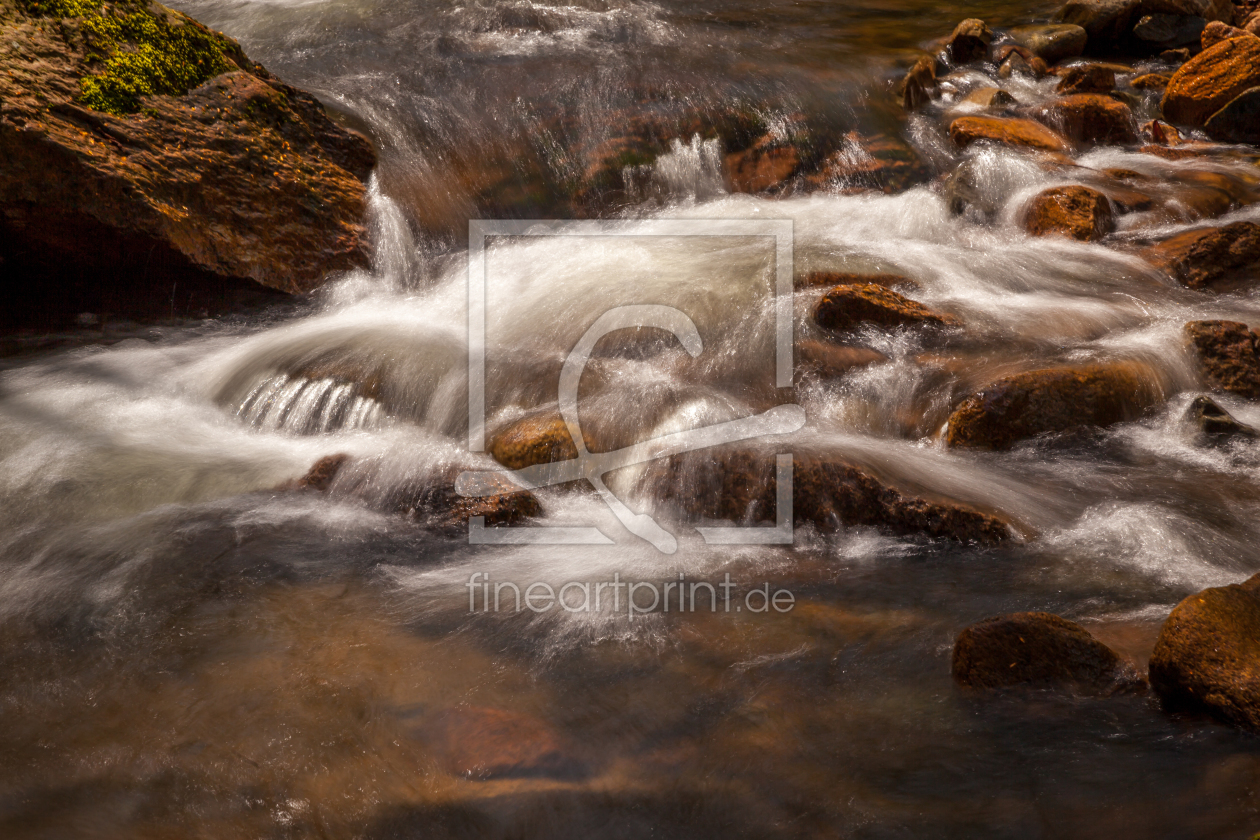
{"x":189,"y":651}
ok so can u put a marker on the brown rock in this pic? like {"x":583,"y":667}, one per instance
{"x":240,"y":180}
{"x":538,"y":438}
{"x":846,"y":307}
{"x":1229,"y":356}
{"x":1089,"y":118}
{"x":1012,"y":132}
{"x":1160,"y":132}
{"x":828,"y":279}
{"x":1214,"y":425}
{"x":1206,"y":83}
{"x":767,"y":164}
{"x":1075,"y":212}
{"x":970,"y":42}
{"x":828,"y":493}
{"x":1208,"y":654}
{"x":1149,"y":81}
{"x":877,"y":162}
{"x":1218,"y":258}
{"x":1052,"y":400}
{"x":1252,"y":24}
{"x":1238,"y":121}
{"x":480,"y":743}
{"x":1161,"y":31}
{"x":833,"y":360}
{"x":1178,"y":56}
{"x":1051,"y":42}
{"x":1107,"y":22}
{"x":989,"y":98}
{"x":1039,"y":650}
{"x":1016,"y":64}
{"x":320,"y":476}
{"x":1087,"y":78}
{"x":1216,"y":31}
{"x":919,"y":84}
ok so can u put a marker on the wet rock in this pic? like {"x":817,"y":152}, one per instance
{"x":1106,"y":22}
{"x":1052,"y":400}
{"x":1089,"y":118}
{"x":969,"y":42}
{"x":1219,"y":258}
{"x":920,"y":84}
{"x":1087,"y":78}
{"x":1050,"y":42}
{"x":767,"y":164}
{"x":1208,"y":653}
{"x":538,"y":438}
{"x":846,"y":307}
{"x":870,"y":162}
{"x":827,"y":493}
{"x":1149,"y":81}
{"x":320,"y":476}
{"x":830,"y":361}
{"x":1215,"y":32}
{"x":1160,"y":132}
{"x":1214,"y":425}
{"x":223,"y":178}
{"x":1169,"y":32}
{"x":989,"y":98}
{"x":1075,"y":212}
{"x":1228,"y":354}
{"x":1178,"y":56}
{"x":1238,"y":121}
{"x":481,"y":743}
{"x":829,"y":279}
{"x":1039,"y":650}
{"x":1211,"y":80}
{"x":1009,"y":131}
{"x":1015,"y":64}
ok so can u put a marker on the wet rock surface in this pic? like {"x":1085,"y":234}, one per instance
{"x":1089,"y":118}
{"x":1211,"y":80}
{"x":1061,"y":399}
{"x":1039,"y":650}
{"x":1075,"y":212}
{"x":1214,"y":425}
{"x":1228,"y":354}
{"x":847,"y":307}
{"x":1009,"y":131}
{"x":190,"y":196}
{"x":1207,"y":654}
{"x":1217,"y":258}
{"x":1051,"y":42}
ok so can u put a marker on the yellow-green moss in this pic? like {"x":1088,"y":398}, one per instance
{"x":139,"y":53}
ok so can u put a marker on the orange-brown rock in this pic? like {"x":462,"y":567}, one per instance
{"x":1086,"y":78}
{"x":1208,"y":654}
{"x":1150,"y":81}
{"x":1228,"y":354}
{"x":1039,"y":650}
{"x":480,"y":743}
{"x":1052,"y":400}
{"x":1206,"y":83}
{"x":1009,"y":131}
{"x":767,"y":164}
{"x":827,"y":492}
{"x":1051,"y":42}
{"x":870,"y":162}
{"x":829,"y":279}
{"x":846,"y":307}
{"x":321,"y":475}
{"x":969,"y":42}
{"x":1075,"y":212}
{"x":919,"y":84}
{"x":829,"y":360}
{"x":196,"y":196}
{"x":1214,"y":425}
{"x":538,"y":438}
{"x":1218,"y":31}
{"x":1089,"y":118}
{"x":1218,"y":258}
{"x":1160,"y":132}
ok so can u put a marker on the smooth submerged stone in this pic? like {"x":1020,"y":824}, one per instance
{"x":1051,"y":42}
{"x":875,"y":162}
{"x":828,"y":360}
{"x":989,"y":98}
{"x":830,"y":279}
{"x":1075,"y":212}
{"x":1208,"y":82}
{"x":480,"y":744}
{"x":767,"y":164}
{"x":846,"y":307}
{"x":1217,"y":258}
{"x":1216,"y":426}
{"x":1009,"y":131}
{"x":1229,"y":356}
{"x":538,"y":438}
{"x":1052,"y":400}
{"x":1089,"y":118}
{"x":1208,"y":654}
{"x":1039,"y":650}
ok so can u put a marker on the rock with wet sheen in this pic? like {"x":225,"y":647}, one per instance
{"x":1216,"y":31}
{"x":846,"y":307}
{"x":1089,"y":118}
{"x":829,"y":360}
{"x":879,"y":162}
{"x":1208,"y":655}
{"x":1086,"y":78}
{"x":1228,"y":354}
{"x":1238,"y":121}
{"x":1149,"y":81}
{"x":1075,"y":212}
{"x":1052,"y":400}
{"x":538,"y":438}
{"x":1051,"y":42}
{"x":1216,"y":258}
{"x":919,"y":84}
{"x":1211,"y":80}
{"x":1169,"y":32}
{"x":1009,"y":131}
{"x":1214,"y":425}
{"x":970,"y":42}
{"x":1041,"y":651}
{"x":1107,"y":23}
{"x":767,"y":164}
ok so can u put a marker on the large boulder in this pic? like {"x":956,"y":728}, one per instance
{"x":1051,"y":400}
{"x":827,"y":492}
{"x":1075,"y":212}
{"x":1211,"y":80}
{"x":540,"y":437}
{"x":1009,"y":131}
{"x":846,"y":307}
{"x":969,"y":42}
{"x":1039,"y":650}
{"x":1238,"y":121}
{"x":1217,"y":258}
{"x":1107,"y":23}
{"x":1089,"y":118}
{"x":1207,"y":657}
{"x":149,"y":166}
{"x":1051,"y":42}
{"x":1086,"y":78}
{"x":1228,"y":354}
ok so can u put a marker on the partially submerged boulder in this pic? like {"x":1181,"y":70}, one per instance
{"x":1229,"y":356}
{"x":829,"y":360}
{"x":150,"y":166}
{"x":1208,"y":654}
{"x":870,"y":162}
{"x":1089,"y":118}
{"x":1208,"y":82}
{"x":1039,"y":650}
{"x":1052,"y":400}
{"x":1074,"y":211}
{"x":919,"y":84}
{"x":1214,"y":425}
{"x":767,"y":164}
{"x":1009,"y":131}
{"x":969,"y":42}
{"x":846,"y":307}
{"x":1051,"y":42}
{"x":1087,"y":78}
{"x":1216,"y":258}
{"x":537,"y":438}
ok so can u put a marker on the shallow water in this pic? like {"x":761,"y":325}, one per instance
{"x":189,"y":651}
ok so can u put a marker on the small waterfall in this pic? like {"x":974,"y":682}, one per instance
{"x":691,"y":170}
{"x":306,"y":406}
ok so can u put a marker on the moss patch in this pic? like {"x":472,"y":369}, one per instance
{"x":138,"y":50}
